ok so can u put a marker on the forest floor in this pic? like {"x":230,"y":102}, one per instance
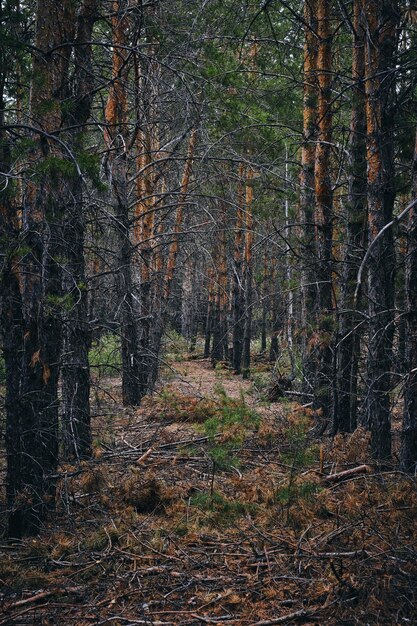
{"x":210,"y":505}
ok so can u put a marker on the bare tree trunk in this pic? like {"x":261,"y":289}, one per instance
{"x":11,"y":317}
{"x":41,"y":286}
{"x":174,"y":247}
{"x":276,"y":315}
{"x":220,"y":343}
{"x":116,"y":115}
{"x":171,"y":262}
{"x":238,"y":292}
{"x":209,"y":314}
{"x":248,"y":271}
{"x":409,"y":430}
{"x":76,"y":336}
{"x":189,"y":302}
{"x":382,"y":19}
{"x":345,"y":402}
{"x":288,"y":270}
{"x":146,"y":191}
{"x":265,"y":304}
{"x":324,"y":213}
{"x":307,"y":186}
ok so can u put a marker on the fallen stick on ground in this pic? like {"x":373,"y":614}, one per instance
{"x":285,"y":618}
{"x":354,"y":471}
{"x":45,"y":594}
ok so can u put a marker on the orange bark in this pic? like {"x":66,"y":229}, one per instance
{"x":323,"y":186}
{"x":116,"y":112}
{"x":310,"y":101}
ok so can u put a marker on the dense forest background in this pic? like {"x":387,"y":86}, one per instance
{"x":239,"y":177}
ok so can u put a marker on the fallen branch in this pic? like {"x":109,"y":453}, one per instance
{"x":145,"y":456}
{"x":303,"y":394}
{"x":213,"y":620}
{"x":346,"y":474}
{"x":286,"y":618}
{"x":44,"y":594}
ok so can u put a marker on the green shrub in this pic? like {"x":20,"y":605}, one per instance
{"x":229,"y":425}
{"x":300,"y":455}
{"x":234,"y":410}
{"x":174,"y":346}
{"x":218,"y":509}
{"x":105,"y":356}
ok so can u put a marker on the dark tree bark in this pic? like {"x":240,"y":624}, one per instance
{"x":307,"y":185}
{"x":209,"y":314}
{"x":382,"y":21}
{"x":409,"y":430}
{"x":248,"y":273}
{"x":238,"y":291}
{"x":11,"y":320}
{"x":148,"y":146}
{"x":265,"y":304}
{"x":76,"y":430}
{"x":33,"y":489}
{"x":220,"y":343}
{"x":324,"y":214}
{"x":345,"y":401}
{"x":276,"y":315}
{"x":117,"y":138}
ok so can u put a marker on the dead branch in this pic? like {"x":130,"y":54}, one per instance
{"x":285,"y":618}
{"x":346,"y":474}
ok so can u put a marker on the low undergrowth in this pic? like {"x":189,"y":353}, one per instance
{"x":207,"y":510}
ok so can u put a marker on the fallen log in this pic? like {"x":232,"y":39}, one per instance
{"x":346,"y":474}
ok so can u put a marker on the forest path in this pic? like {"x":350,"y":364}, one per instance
{"x":198,"y":377}
{"x":175,"y":412}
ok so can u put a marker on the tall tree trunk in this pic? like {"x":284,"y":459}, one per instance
{"x":248,"y":271}
{"x":238,"y":292}
{"x":117,"y":138}
{"x":345,"y":402}
{"x":167,"y":276}
{"x":265,"y":303}
{"x":324,"y":212}
{"x":146,"y":193}
{"x":409,"y":430}
{"x":209,"y":314}
{"x":41,"y":285}
{"x":382,"y":20}
{"x":174,"y":247}
{"x":11,"y":320}
{"x":307,"y":186}
{"x":220,"y":331}
{"x":189,"y":302}
{"x":276,"y":315}
{"x":76,"y":336}
{"x":145,"y":250}
{"x":288,"y":270}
